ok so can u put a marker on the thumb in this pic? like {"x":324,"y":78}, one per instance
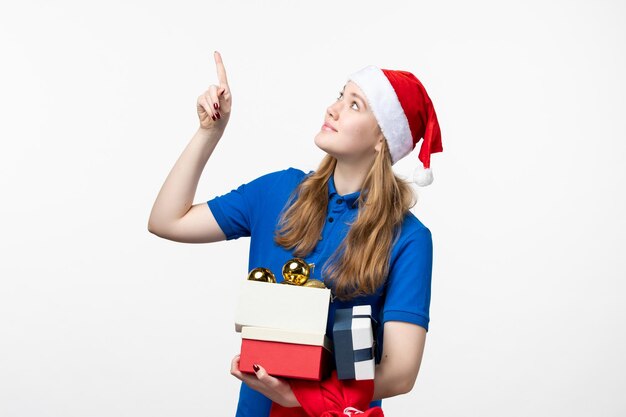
{"x":259,"y":371}
{"x":264,"y":377}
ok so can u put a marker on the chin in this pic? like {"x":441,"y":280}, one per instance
{"x":328,"y":145}
{"x":321,"y":143}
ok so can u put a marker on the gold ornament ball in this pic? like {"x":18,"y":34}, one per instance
{"x":314,"y":283}
{"x":296,"y":271}
{"x":261,"y":275}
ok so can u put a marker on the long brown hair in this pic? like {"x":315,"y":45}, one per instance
{"x":361,"y":262}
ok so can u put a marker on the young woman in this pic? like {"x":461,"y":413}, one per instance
{"x":350,"y":218}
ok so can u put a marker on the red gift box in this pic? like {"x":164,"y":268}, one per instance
{"x":283,"y":358}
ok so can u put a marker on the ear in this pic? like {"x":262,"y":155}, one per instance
{"x":379,"y":145}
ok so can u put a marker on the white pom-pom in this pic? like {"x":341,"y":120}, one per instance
{"x":423,"y":176}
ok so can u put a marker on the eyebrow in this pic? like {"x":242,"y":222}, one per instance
{"x":356,"y":95}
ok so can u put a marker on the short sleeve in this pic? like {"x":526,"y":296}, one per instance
{"x":236,"y":211}
{"x":409,"y":281}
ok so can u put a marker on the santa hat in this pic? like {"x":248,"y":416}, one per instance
{"x":404,"y":113}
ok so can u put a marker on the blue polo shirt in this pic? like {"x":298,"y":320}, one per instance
{"x":253,"y":210}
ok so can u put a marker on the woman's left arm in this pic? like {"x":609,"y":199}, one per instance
{"x":403,"y":347}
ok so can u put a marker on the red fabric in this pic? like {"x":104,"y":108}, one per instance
{"x":330,"y":397}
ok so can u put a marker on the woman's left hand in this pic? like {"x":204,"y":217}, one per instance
{"x":276,"y":389}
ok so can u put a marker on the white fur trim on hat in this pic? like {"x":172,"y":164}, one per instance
{"x":382,"y":99}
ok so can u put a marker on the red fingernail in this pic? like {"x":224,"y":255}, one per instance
{"x":255,"y":367}
{"x":215,"y":105}
{"x":218,"y":115}
{"x":213,"y":117}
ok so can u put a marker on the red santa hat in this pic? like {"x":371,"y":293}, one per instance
{"x":404,"y":113}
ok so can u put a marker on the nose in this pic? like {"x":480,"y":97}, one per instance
{"x":332,"y":110}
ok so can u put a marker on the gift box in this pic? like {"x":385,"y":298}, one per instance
{"x":285,"y":353}
{"x":353,"y":339}
{"x":282,"y":306}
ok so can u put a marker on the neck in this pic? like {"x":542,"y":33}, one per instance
{"x":348,"y":177}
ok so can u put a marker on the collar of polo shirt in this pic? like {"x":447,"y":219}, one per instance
{"x":349,"y":199}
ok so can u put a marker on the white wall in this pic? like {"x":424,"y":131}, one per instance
{"x":98,"y":317}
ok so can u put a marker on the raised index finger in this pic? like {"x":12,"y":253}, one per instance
{"x":221,"y":71}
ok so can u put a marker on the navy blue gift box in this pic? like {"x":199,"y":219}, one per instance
{"x":353,"y":339}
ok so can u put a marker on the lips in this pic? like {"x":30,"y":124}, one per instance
{"x":326,"y":125}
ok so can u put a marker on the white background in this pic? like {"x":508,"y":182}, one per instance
{"x":99,"y":317}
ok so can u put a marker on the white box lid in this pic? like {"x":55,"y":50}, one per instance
{"x":282,"y":306}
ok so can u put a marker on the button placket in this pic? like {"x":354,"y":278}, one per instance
{"x":338,"y":208}
{"x":336,"y":211}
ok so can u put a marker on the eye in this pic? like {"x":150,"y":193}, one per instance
{"x":354,"y":102}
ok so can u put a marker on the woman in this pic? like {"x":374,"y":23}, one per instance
{"x":350,"y":218}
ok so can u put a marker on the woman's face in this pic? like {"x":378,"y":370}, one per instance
{"x":356,"y":136}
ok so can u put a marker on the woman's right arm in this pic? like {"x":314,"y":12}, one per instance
{"x":173,"y":214}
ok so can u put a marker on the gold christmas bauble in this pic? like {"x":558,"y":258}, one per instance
{"x":296,"y":271}
{"x":261,"y":275}
{"x":314,"y":283}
